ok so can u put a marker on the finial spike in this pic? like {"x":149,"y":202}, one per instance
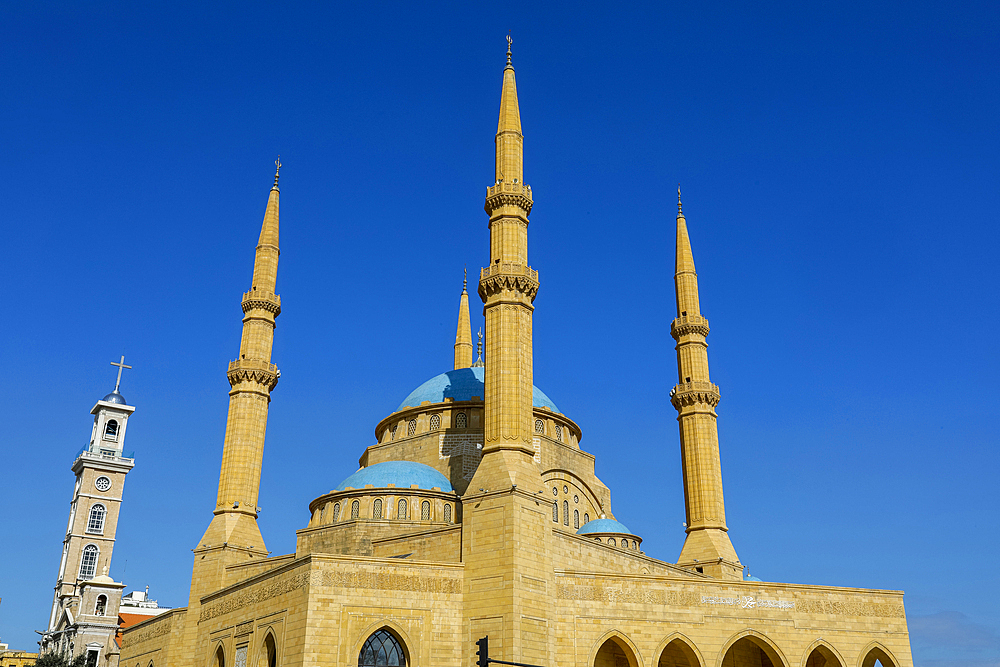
{"x":277,"y":168}
{"x":679,"y":210}
{"x":465,"y":279}
{"x":509,"y":42}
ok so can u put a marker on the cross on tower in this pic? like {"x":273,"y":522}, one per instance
{"x":121,"y":366}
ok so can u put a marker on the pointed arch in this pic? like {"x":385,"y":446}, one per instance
{"x":219,"y":656}
{"x":267,"y":656}
{"x":609,"y":650}
{"x":822,"y":654}
{"x":676,"y":650}
{"x":754,"y":644}
{"x":876,"y":651}
{"x":392,"y":628}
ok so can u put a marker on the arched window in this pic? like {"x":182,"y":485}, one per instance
{"x":220,"y":658}
{"x":102,"y":605}
{"x":539,"y":426}
{"x":559,"y":433}
{"x":381,"y":650}
{"x":611,"y":541}
{"x":377,"y":509}
{"x":336,"y":512}
{"x":111,"y":430}
{"x":635,"y":545}
{"x":95,"y":523}
{"x":425,"y":511}
{"x":411,"y":427}
{"x":435,"y":422}
{"x":401,"y":509}
{"x":268,"y":653}
{"x":88,"y":563}
{"x":586,"y":518}
{"x":322,"y":512}
{"x":565,"y":512}
{"x":355,"y":509}
{"x":447,"y":513}
{"x":555,"y":512}
{"x":461,"y":420}
{"x":392,"y":433}
{"x":576,"y":518}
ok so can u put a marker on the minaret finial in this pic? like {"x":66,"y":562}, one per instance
{"x":680,"y":212}
{"x":479,"y":349}
{"x":465,"y":280}
{"x":509,"y":42}
{"x":277,"y":168}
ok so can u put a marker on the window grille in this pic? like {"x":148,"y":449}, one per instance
{"x":411,"y":427}
{"x":559,"y":433}
{"x":435,"y":422}
{"x":240,"y":659}
{"x":555,"y":512}
{"x":377,"y":509}
{"x":336,"y":512}
{"x":425,"y":511}
{"x":611,"y":541}
{"x":539,"y":426}
{"x":95,"y":522}
{"x":576,"y":518}
{"x":401,"y":509}
{"x":392,"y":434}
{"x":461,"y":420}
{"x":565,"y":512}
{"x":381,"y":650}
{"x":88,"y":564}
{"x":322,"y":512}
{"x":447,"y":513}
{"x":586,"y":518}
{"x":355,"y":509}
{"x":635,"y":545}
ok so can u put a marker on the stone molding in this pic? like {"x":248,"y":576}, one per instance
{"x":251,"y":370}
{"x":254,"y":300}
{"x":687,"y":325}
{"x":692,"y":393}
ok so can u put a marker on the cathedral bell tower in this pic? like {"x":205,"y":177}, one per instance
{"x":707,"y":548}
{"x":84,"y":616}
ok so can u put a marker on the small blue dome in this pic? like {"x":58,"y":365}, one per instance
{"x":603,"y":526}
{"x":402,"y":474}
{"x":461,"y":385}
{"x":115,"y":397}
{"x":749,"y":578}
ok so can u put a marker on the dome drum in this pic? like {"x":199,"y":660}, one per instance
{"x":612,"y":533}
{"x":337,"y":507}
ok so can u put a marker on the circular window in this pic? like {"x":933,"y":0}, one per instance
{"x":102,"y":483}
{"x":576,"y":499}
{"x":565,"y":489}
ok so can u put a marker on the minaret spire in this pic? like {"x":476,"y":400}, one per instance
{"x":233,"y":535}
{"x":463,"y":337}
{"x":508,"y":287}
{"x":707,"y":547}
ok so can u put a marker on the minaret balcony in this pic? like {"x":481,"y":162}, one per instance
{"x":259,"y":299}
{"x":508,"y":194}
{"x":506,"y":277}
{"x":690,"y":393}
{"x":685,"y":325}
{"x":252,"y":370}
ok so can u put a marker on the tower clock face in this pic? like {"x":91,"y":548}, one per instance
{"x":102,"y":483}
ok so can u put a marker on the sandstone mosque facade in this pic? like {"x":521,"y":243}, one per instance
{"x":477,"y":514}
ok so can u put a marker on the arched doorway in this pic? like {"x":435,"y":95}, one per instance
{"x":382,"y":649}
{"x":678,"y":653}
{"x":822,"y":656}
{"x":615,"y":652}
{"x":751,"y":651}
{"x":878,"y":654}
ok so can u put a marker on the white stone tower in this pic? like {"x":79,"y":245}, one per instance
{"x":84,"y":615}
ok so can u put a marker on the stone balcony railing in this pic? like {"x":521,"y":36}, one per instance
{"x":260,"y":299}
{"x":508,"y":269}
{"x":688,"y":393}
{"x":505,"y":187}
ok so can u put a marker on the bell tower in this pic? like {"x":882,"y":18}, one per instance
{"x":85,"y":603}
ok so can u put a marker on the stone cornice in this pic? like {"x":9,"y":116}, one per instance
{"x":251,"y":370}
{"x":687,"y":325}
{"x":691,"y":393}
{"x":254,"y":300}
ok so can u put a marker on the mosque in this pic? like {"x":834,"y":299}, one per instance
{"x":477,"y":514}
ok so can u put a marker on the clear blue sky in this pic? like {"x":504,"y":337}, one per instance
{"x":840,"y":169}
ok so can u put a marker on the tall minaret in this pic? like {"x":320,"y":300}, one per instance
{"x":463,"y":337}
{"x":508,"y":287}
{"x":233,"y":535}
{"x":707,"y":547}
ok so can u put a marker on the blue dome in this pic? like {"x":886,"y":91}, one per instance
{"x":115,"y":397}
{"x":402,"y":474}
{"x":461,"y":385}
{"x":603,"y":526}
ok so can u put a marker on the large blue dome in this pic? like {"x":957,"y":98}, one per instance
{"x":461,"y":385}
{"x":603,"y":526}
{"x":401,"y":474}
